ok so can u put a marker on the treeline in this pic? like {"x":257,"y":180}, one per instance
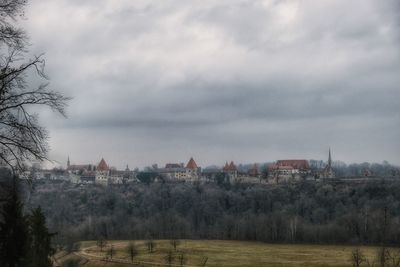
{"x":307,"y":212}
{"x":384,"y":169}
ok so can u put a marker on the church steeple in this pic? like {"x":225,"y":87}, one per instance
{"x":329,"y":158}
{"x":68,"y":163}
{"x":328,"y":170}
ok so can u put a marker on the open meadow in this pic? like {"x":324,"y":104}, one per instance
{"x":215,"y":253}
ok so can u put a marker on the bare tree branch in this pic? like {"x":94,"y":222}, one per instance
{"x":22,"y":139}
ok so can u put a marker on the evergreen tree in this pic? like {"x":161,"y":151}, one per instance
{"x":14,"y":233}
{"x":41,"y":249}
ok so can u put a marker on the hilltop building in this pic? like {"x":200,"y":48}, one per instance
{"x":128,"y":175}
{"x":231,"y":170}
{"x":287,"y":170}
{"x":328,"y":171}
{"x":79,"y":169}
{"x":173,"y":171}
{"x":192,"y":170}
{"x":106,"y":175}
{"x":176,"y":171}
{"x":102,"y":173}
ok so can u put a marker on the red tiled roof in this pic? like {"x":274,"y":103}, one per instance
{"x":102,"y":166}
{"x":230,"y":167}
{"x":191,"y":164}
{"x":294,"y":163}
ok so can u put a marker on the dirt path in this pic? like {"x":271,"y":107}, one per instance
{"x":84,"y":253}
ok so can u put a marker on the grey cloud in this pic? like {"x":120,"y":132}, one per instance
{"x":232,"y":78}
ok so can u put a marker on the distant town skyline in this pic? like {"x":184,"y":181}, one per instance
{"x":248,"y":81}
{"x":122,"y":166}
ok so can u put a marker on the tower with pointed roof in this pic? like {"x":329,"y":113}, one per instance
{"x":328,"y":170}
{"x":231,"y":170}
{"x":102,"y":173}
{"x":68,"y":163}
{"x":192,"y":170}
{"x":191,"y":164}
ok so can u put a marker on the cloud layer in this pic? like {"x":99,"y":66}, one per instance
{"x":159,"y":81}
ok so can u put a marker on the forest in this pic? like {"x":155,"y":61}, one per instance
{"x":304,"y":212}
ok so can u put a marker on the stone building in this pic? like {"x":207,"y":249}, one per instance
{"x":102,"y":173}
{"x":176,"y":171}
{"x":288,"y":170}
{"x":231,"y":170}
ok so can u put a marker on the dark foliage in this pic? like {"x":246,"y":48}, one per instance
{"x":24,"y":239}
{"x":147,"y":177}
{"x":305,"y":212}
{"x":41,"y":249}
{"x":14,"y":233}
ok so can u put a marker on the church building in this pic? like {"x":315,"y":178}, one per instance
{"x":328,"y":171}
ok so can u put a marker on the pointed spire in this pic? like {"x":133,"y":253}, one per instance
{"x":328,"y":170}
{"x":329,"y":158}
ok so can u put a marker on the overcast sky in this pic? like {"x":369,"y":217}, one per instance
{"x":249,"y":81}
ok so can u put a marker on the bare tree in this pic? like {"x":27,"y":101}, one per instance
{"x":204,"y":261}
{"x":182,"y":258}
{"x":132,"y":250}
{"x":357,"y":257}
{"x":382,"y":256}
{"x":393,"y":258}
{"x":22,"y":139}
{"x":293,"y":225}
{"x":101,"y":243}
{"x":9,"y":34}
{"x":110,"y":252}
{"x":383,"y":252}
{"x":169,"y":258}
{"x":174,"y":243}
{"x":150,"y":245}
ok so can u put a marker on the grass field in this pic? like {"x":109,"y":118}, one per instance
{"x":227,"y":254}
